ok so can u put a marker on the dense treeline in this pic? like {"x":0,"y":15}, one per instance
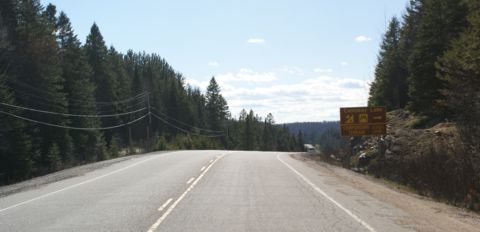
{"x":430,"y":64}
{"x":313,"y":131}
{"x":64,"y":103}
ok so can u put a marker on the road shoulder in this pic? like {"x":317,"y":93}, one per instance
{"x":62,"y":175}
{"x":442,"y":216}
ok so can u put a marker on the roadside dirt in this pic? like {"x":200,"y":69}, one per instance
{"x":437,"y":215}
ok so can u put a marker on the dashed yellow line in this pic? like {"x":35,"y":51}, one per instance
{"x":175,"y":203}
{"x":165,"y":204}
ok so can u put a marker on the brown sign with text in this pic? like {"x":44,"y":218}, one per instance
{"x":359,"y":121}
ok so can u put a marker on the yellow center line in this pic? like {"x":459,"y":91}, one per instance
{"x":165,"y":204}
{"x":175,"y":203}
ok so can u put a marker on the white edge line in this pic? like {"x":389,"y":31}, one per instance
{"x":190,"y":181}
{"x":78,"y":184}
{"x":174,"y":204}
{"x":366,"y":225}
{"x":203,"y":168}
{"x":165,"y":204}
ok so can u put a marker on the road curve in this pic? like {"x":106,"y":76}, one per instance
{"x":201,"y":191}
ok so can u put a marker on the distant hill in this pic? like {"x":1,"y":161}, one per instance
{"x":312,"y":130}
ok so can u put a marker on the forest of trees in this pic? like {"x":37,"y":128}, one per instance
{"x":64,"y":103}
{"x":429,"y":63}
{"x":313,"y":131}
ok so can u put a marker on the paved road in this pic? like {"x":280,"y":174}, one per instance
{"x":200,"y":191}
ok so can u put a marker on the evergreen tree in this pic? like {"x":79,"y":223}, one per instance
{"x":16,"y":162}
{"x":268,"y":143}
{"x":40,"y":68}
{"x":123,"y":90}
{"x":459,"y":67}
{"x":389,"y":86}
{"x":216,"y":106}
{"x":441,"y":21}
{"x":44,"y":66}
{"x":249,"y":132}
{"x":15,"y":148}
{"x":8,"y":22}
{"x":408,"y":34}
{"x":301,"y":143}
{"x":76,"y":72}
{"x":103,"y":76}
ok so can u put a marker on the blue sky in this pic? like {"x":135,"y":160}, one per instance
{"x":300,"y":60}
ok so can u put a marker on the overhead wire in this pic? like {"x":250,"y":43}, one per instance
{"x":73,"y":115}
{"x":100,"y":108}
{"x":71,"y":127}
{"x":138,"y":96}
{"x":183,"y":130}
{"x":183,"y":123}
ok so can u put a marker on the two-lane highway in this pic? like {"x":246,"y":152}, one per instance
{"x":201,"y":191}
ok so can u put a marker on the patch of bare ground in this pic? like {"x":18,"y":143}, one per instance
{"x":438,"y":215}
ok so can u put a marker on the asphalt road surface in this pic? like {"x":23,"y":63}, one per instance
{"x":201,"y":191}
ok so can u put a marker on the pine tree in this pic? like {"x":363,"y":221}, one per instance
{"x":268,"y":134}
{"x":441,"y":21}
{"x":301,"y":143}
{"x":216,"y":106}
{"x":249,"y":135}
{"x":40,"y":74}
{"x":80,"y":92}
{"x":459,"y":67}
{"x":123,"y":90}
{"x":103,"y":76}
{"x":8,"y":22}
{"x":388,"y":88}
{"x":16,"y":161}
{"x":408,"y":35}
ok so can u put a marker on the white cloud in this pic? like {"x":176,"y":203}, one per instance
{"x":246,"y":75}
{"x":256,"y":41}
{"x":313,"y":99}
{"x":344,"y":63}
{"x":321,"y":70}
{"x":196,"y":83}
{"x":294,"y":70}
{"x":213,"y":63}
{"x":362,"y":38}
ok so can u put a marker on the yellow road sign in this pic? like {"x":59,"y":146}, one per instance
{"x":359,"y":121}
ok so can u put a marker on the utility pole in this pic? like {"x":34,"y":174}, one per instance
{"x":149,"y":113}
{"x":130,"y":148}
{"x":149,"y":123}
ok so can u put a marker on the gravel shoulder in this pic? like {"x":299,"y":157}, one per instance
{"x":441,"y":216}
{"x":61,"y":175}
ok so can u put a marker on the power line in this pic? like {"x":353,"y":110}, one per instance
{"x":73,"y":115}
{"x":185,"y":124}
{"x":181,"y":129}
{"x":54,"y":104}
{"x":71,"y":127}
{"x":78,"y":108}
{"x":138,"y":96}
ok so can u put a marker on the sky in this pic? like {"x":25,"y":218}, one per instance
{"x":298,"y":59}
